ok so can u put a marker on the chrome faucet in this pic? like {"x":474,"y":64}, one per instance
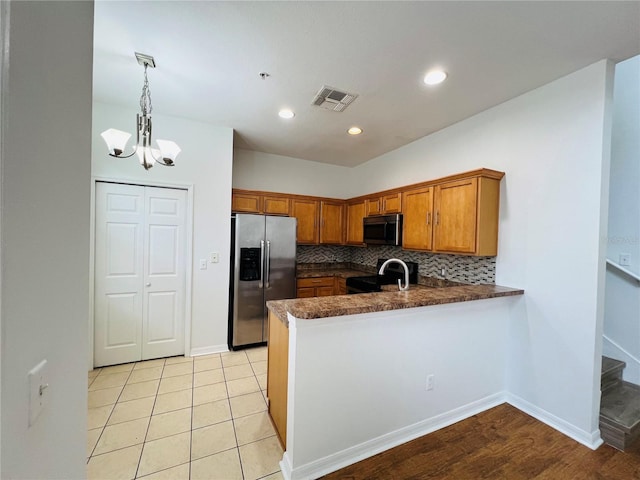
{"x":406,"y":272}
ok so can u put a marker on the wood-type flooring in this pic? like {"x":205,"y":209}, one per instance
{"x":501,"y":443}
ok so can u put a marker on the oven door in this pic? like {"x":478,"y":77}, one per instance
{"x":365,"y":284}
{"x":352,"y":290}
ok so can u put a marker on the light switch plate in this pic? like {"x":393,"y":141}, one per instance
{"x":203,"y":264}
{"x":38,"y":390}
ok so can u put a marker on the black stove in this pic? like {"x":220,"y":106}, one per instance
{"x":373,"y":283}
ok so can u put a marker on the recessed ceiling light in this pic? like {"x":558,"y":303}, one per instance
{"x":286,"y":113}
{"x":354,"y":131}
{"x":435,"y":77}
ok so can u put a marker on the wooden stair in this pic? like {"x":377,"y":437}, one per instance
{"x":619,"y":406}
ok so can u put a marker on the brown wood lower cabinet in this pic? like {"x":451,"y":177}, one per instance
{"x":314,"y":287}
{"x":277,"y":375}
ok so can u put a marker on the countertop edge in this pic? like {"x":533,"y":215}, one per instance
{"x":341,"y":305}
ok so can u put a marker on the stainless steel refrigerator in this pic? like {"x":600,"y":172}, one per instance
{"x":263,"y":267}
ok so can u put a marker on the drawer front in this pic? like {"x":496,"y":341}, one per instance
{"x":315,"y":282}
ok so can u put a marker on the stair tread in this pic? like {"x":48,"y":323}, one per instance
{"x":610,"y":364}
{"x":620,"y":407}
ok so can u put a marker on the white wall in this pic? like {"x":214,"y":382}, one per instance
{"x":622,"y":303}
{"x":275,"y":173}
{"x":46,"y":144}
{"x":357,"y":384}
{"x":550,"y":143}
{"x":205,"y":162}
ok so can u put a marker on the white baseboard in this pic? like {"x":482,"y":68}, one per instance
{"x":197,"y":352}
{"x":374,"y":446}
{"x":591,"y":440}
{"x":285,"y":466}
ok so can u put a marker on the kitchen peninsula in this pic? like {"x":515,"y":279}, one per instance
{"x":352,"y":375}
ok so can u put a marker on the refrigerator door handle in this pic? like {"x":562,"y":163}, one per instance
{"x":261,"y":263}
{"x":268,"y":265}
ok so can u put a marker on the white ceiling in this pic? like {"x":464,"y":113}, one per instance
{"x":209,"y":55}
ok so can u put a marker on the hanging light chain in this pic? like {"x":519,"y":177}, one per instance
{"x":145,"y":98}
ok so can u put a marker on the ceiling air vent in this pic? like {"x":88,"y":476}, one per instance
{"x":333,"y":99}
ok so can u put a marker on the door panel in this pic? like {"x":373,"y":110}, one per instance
{"x":280,"y":233}
{"x":118,"y":273}
{"x":164,"y":269}
{"x":163,"y":249}
{"x":140,"y":273}
{"x":164,"y":314}
{"x":248,"y":302}
{"x":120,"y":320}
{"x":418,"y":219}
{"x":306,"y":213}
{"x":121,"y":249}
{"x":455,"y":216}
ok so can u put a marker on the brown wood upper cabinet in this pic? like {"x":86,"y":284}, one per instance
{"x":250,"y":202}
{"x":246,"y":202}
{"x":331,"y":222}
{"x":417,"y":224}
{"x":458,"y":216}
{"x":466,"y":216}
{"x":355,"y":214}
{"x":275,"y":205}
{"x":384,"y":204}
{"x":306,"y":212}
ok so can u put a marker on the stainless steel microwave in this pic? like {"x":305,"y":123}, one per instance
{"x":383,"y":230}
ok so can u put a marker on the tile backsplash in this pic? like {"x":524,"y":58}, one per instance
{"x":458,"y":268}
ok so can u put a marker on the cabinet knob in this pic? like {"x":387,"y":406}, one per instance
{"x":148,"y":284}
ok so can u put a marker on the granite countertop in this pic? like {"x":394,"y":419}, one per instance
{"x":416,"y":296}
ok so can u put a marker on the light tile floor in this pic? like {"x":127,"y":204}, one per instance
{"x":183,"y":419}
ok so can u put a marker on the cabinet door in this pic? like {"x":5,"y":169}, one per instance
{"x":331,"y":222}
{"x":355,"y":214}
{"x":275,"y":205}
{"x":306,"y":212}
{"x":392,"y":203}
{"x":305,"y":292}
{"x":455,"y":216}
{"x":340,"y":286}
{"x":246,"y":203}
{"x":373,"y":206}
{"x":324,"y":291}
{"x":418,"y":219}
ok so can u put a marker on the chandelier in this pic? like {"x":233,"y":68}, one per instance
{"x":117,"y":139}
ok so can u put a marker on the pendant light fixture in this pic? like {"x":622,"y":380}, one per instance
{"x":117,"y":139}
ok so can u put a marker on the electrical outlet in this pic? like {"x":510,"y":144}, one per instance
{"x":430,"y":381}
{"x":214,"y":257}
{"x":625,"y":259}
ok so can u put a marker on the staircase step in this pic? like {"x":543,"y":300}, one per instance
{"x":620,"y":415}
{"x":611,"y":373}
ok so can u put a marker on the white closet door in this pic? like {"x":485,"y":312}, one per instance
{"x":140,"y":273}
{"x":164,"y":272}
{"x":119,"y":273}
